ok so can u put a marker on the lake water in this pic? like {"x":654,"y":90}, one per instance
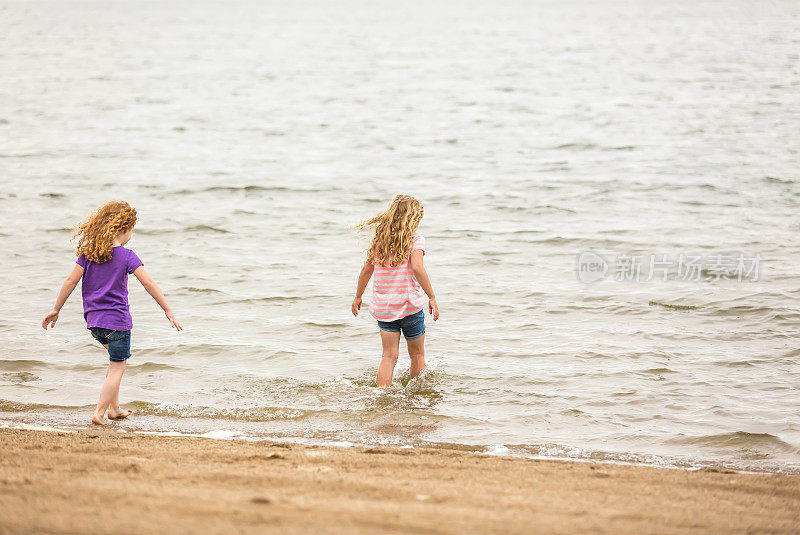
{"x":250,"y":136}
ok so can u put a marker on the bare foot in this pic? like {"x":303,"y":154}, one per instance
{"x":98,"y":419}
{"x":119,"y":414}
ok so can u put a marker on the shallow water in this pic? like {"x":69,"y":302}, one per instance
{"x":249,"y":136}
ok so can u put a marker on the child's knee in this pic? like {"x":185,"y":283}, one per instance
{"x":391,"y":354}
{"x":416,"y":350}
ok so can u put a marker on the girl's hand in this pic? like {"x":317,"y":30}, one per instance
{"x":173,"y":321}
{"x":50,"y":319}
{"x":356,"y":306}
{"x":434,"y":308}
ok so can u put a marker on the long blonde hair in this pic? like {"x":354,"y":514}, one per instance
{"x":393,"y":231}
{"x":97,"y":232}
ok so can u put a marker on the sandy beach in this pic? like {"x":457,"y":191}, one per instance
{"x":100,"y":481}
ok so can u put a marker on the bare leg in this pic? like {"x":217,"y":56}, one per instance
{"x":109,"y":391}
{"x":114,"y":410}
{"x":391,"y":350}
{"x":416,"y":351}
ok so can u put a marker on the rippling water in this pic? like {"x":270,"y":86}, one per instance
{"x":249,"y":136}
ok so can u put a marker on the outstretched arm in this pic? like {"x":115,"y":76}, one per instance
{"x":425,"y":282}
{"x":363,"y":279}
{"x":156,"y":293}
{"x":70,"y":283}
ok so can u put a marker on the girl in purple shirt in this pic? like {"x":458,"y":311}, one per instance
{"x":104,"y":264}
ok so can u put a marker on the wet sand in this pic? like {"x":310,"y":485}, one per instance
{"x":101,"y":481}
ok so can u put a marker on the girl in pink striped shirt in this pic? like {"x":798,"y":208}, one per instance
{"x":398,"y":302}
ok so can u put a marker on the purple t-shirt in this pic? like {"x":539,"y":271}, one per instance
{"x":105,"y":290}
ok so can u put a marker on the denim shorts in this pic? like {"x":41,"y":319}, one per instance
{"x":413,"y":326}
{"x":119,"y":343}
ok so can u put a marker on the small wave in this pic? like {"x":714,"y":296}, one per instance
{"x":16,"y":406}
{"x":621,"y":147}
{"x":202,"y":349}
{"x":222,"y":434}
{"x":253,"y":188}
{"x":740,"y":440}
{"x":247,"y":188}
{"x":325,"y":325}
{"x":589,"y":243}
{"x":192,"y":289}
{"x":592,"y":355}
{"x":21,"y":365}
{"x":778,"y":180}
{"x":85,"y":367}
{"x":150,"y":367}
{"x":20,"y":377}
{"x":192,"y":228}
{"x":423,"y":384}
{"x":27,"y":155}
{"x":206,"y":228}
{"x":746,"y":363}
{"x":592,"y":146}
{"x":766,"y":313}
{"x":552,"y":168}
{"x":670,"y":306}
{"x":264,"y":131}
{"x":556,"y":208}
{"x":252,"y":414}
{"x":498,"y":450}
{"x":568,"y":453}
{"x":657,"y":370}
{"x":538,"y":209}
{"x":579,"y":146}
{"x":267,"y":299}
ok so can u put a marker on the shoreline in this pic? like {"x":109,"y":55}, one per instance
{"x":666,"y":462}
{"x":63,"y":481}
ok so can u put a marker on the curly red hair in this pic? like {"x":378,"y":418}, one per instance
{"x":97,"y":232}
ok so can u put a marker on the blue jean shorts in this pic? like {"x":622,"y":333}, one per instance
{"x":119,"y":343}
{"x":413,"y":326}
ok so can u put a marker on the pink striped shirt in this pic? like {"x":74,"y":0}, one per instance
{"x":395,"y":290}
